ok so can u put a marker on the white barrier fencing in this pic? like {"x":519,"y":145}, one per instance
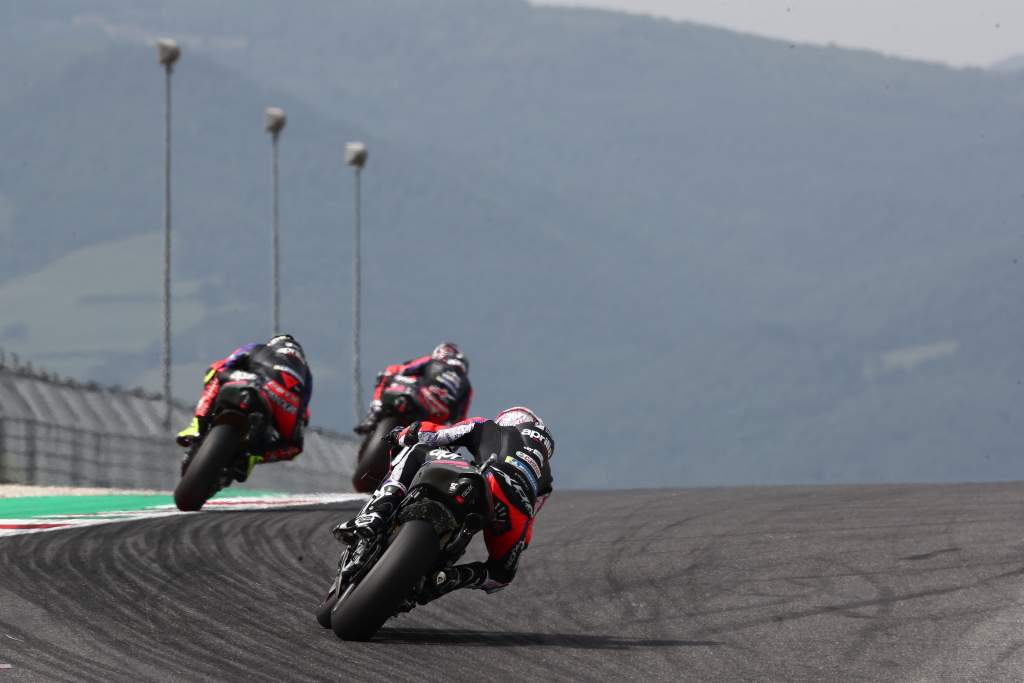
{"x":59,"y":432}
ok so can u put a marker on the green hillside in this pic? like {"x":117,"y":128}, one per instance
{"x":707,"y":258}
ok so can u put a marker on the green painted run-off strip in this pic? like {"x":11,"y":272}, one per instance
{"x":38,"y":506}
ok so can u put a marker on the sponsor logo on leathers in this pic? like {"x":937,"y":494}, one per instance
{"x":537,"y":436}
{"x":531,"y":449}
{"x":288,"y":402}
{"x":521,"y":466}
{"x":517,"y":488}
{"x":241,"y":376}
{"x":529,"y":461}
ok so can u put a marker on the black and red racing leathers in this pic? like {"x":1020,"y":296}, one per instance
{"x":520,"y":481}
{"x":444,"y":390}
{"x":286,"y":381}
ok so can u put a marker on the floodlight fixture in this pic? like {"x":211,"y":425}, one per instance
{"x":168,"y":52}
{"x":274,"y":120}
{"x":356,"y":154}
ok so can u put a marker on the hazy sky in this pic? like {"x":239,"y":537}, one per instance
{"x":958,"y":32}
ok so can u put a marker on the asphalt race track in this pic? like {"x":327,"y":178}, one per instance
{"x":912,"y":583}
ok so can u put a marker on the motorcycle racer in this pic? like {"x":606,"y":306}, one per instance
{"x":444,"y":389}
{"x":288,"y":385}
{"x":519,"y":448}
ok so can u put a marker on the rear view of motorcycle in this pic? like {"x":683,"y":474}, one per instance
{"x":399,"y":408}
{"x":238,"y":425}
{"x":447,"y":504}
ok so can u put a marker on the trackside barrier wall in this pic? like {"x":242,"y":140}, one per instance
{"x":62,"y":433}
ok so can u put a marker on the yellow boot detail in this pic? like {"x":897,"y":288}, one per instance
{"x":188,"y":435}
{"x":253,"y":461}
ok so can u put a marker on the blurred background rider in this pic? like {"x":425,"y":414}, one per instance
{"x":287,"y":383}
{"x":444,"y":389}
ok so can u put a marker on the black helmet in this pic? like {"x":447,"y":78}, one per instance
{"x":447,"y":351}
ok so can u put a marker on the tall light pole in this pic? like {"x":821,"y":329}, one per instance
{"x":273,"y":121}
{"x":168,"y":53}
{"x":355,"y":156}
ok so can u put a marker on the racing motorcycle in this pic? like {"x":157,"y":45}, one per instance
{"x":400,"y":407}
{"x":240,"y":419}
{"x":447,"y":504}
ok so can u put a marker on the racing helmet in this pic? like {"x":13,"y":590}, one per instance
{"x":521,"y":415}
{"x":286,"y":341}
{"x":512,"y":417}
{"x":447,"y":351}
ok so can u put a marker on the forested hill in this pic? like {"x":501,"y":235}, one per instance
{"x":705,"y":257}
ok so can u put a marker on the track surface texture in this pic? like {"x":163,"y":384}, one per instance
{"x":911,"y":583}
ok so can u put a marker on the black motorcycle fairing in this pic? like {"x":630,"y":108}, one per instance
{"x":453,"y":481}
{"x":400,"y":398}
{"x":452,"y":494}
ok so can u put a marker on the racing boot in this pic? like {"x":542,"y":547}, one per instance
{"x":244,"y":466}
{"x":369,"y":422}
{"x":471,"y":575}
{"x":373,"y":518}
{"x":189,"y":435}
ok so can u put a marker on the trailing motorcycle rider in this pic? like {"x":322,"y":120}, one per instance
{"x":444,"y":391}
{"x":287,"y":384}
{"x":518,"y":447}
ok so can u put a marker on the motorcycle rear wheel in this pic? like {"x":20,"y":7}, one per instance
{"x":198,"y":483}
{"x":361,"y":611}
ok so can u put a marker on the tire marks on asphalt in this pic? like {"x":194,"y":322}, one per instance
{"x":743,"y":584}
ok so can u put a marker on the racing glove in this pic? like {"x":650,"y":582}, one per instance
{"x":405,"y":436}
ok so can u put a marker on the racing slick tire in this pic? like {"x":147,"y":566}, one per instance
{"x":198,"y":482}
{"x":374,"y":457}
{"x":364,"y":608}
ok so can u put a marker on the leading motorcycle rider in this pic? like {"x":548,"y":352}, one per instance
{"x":519,"y":447}
{"x":282,"y":358}
{"x":444,"y":388}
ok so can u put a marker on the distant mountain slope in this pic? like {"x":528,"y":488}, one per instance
{"x":1010,"y":64}
{"x":709,"y":258}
